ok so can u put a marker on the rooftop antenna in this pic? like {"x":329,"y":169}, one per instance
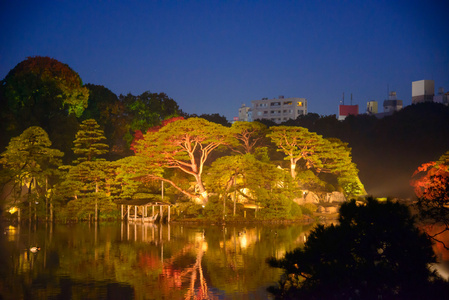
{"x":343,"y":100}
{"x":351,"y":98}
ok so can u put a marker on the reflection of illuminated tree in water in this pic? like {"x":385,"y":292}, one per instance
{"x":203,"y":292}
{"x":190,"y":275}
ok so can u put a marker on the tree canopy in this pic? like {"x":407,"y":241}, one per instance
{"x":297,"y":143}
{"x":41,"y":91}
{"x":184,"y":145}
{"x":30,"y":154}
{"x":30,"y":161}
{"x":88,"y":144}
{"x":42,"y":85}
{"x":249,"y":134}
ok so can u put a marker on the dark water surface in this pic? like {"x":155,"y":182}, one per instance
{"x":142,"y":261}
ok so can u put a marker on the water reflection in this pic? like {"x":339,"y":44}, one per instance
{"x":143,"y":261}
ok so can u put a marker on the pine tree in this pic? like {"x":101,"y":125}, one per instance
{"x":85,"y":185}
{"x":30,"y":161}
{"x":88,"y":141}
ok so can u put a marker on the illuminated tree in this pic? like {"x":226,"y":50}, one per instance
{"x":85,"y":184}
{"x":130,"y":177}
{"x":31,"y":161}
{"x":336,"y":159}
{"x":374,"y":252}
{"x":184,"y":145}
{"x":222,"y":178}
{"x":88,"y":143}
{"x":88,"y":189}
{"x":270,"y":188}
{"x":250,"y":134}
{"x":138,"y":135}
{"x":259,"y":182}
{"x":431,"y":180}
{"x":319,"y":156}
{"x":297,"y":143}
{"x":431,"y":185}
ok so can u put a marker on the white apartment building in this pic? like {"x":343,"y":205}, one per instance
{"x":278,"y":110}
{"x":423,"y":91}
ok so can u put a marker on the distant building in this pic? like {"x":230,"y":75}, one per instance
{"x":346,"y":110}
{"x":244,"y":114}
{"x":392,"y":104}
{"x":278,"y":110}
{"x":423,"y":91}
{"x":372,"y":107}
{"x":441,"y":97}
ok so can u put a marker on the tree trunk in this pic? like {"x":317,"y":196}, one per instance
{"x":235,"y":196}
{"x":293,"y":169}
{"x":224,"y":207}
{"x":96,"y":201}
{"x":201,"y":189}
{"x":29,"y":203}
{"x":46,"y":200}
{"x":51,"y":211}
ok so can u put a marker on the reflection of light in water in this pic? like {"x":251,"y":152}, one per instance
{"x":11,"y":229}
{"x":204,"y":246}
{"x":243,"y":241}
{"x":280,"y":252}
{"x":200,"y":241}
{"x":199,"y":237}
{"x":12,"y":233}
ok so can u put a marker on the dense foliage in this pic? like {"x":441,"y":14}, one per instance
{"x":41,"y":91}
{"x":375,"y":252}
{"x":29,"y":168}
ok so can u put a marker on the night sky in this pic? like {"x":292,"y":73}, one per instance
{"x":212,"y":56}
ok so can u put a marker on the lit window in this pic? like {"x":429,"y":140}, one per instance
{"x":299,"y":103}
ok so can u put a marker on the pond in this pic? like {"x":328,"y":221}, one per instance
{"x":143,"y":261}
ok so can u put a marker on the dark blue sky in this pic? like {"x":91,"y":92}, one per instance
{"x":212,"y":56}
